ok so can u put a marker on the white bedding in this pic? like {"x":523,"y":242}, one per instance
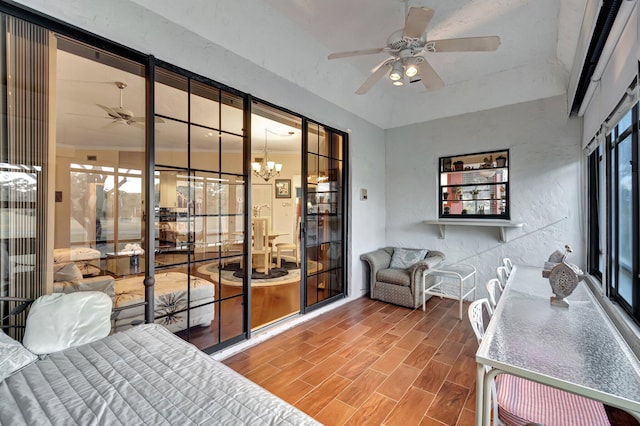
{"x":170,"y":290}
{"x":144,"y":375}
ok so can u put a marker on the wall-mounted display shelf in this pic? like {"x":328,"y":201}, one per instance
{"x":474,"y":186}
{"x":502,"y":225}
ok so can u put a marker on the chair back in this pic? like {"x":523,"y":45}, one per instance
{"x":508,"y":265}
{"x":260,"y":233}
{"x":476,"y":316}
{"x":492,"y":288}
{"x":501,"y":274}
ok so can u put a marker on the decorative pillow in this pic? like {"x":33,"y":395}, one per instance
{"x":66,"y":272}
{"x":13,"y":356}
{"x":60,"y":321}
{"x":406,"y":258}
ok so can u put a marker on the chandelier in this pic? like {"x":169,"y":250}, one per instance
{"x":266,"y":169}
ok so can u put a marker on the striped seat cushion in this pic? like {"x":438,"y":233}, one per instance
{"x":522,"y":401}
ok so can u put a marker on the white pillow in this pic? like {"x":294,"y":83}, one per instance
{"x":60,"y":321}
{"x":13,"y":356}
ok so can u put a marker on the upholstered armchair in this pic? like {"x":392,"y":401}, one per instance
{"x":396,"y":274}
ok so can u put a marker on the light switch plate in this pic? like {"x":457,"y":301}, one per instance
{"x":363,"y":194}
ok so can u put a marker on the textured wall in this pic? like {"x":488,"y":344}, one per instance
{"x":544,"y":178}
{"x":134,"y":26}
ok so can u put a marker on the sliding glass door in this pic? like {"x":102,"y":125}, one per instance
{"x":324,"y":217}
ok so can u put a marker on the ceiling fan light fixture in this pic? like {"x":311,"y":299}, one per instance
{"x":398,"y":83}
{"x":411,"y":67}
{"x":396,"y":72}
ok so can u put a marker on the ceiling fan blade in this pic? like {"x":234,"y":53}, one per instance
{"x":377,"y":67}
{"x":374,"y":77}
{"x":468,"y":44}
{"x":417,"y":21}
{"x":430,"y":78}
{"x":112,"y":113}
{"x":360,"y":52}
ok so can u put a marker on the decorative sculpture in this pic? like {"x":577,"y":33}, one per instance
{"x":563,"y":277}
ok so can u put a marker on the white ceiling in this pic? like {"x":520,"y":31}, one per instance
{"x":292,"y":38}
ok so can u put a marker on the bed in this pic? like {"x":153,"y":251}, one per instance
{"x":142,"y":375}
{"x":170,"y":291}
{"x":170,"y":297}
{"x":86,"y":258}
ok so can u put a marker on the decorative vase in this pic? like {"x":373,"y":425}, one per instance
{"x":458,"y":165}
{"x":501,"y":161}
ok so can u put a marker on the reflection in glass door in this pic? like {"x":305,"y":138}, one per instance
{"x":324,"y":218}
{"x":200,"y":210}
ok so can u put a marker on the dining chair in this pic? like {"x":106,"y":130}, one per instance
{"x":501,"y":274}
{"x":506,"y":262}
{"x":493,"y":285}
{"x":260,"y":244}
{"x":517,"y":401}
{"x":280,"y":247}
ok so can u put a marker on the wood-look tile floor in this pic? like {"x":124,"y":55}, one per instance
{"x":370,"y":363}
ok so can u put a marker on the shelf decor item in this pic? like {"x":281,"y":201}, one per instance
{"x":563,"y":277}
{"x":501,"y":161}
{"x":458,"y":165}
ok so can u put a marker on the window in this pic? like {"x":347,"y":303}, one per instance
{"x":475,"y":186}
{"x":613,"y":213}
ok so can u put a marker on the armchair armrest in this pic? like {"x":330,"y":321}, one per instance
{"x":378,"y":259}
{"x":434,"y":258}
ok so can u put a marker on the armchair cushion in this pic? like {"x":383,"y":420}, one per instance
{"x":394,"y":276}
{"x":405,"y":258}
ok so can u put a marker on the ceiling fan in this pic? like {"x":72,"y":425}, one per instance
{"x":406,"y":47}
{"x":120,"y":114}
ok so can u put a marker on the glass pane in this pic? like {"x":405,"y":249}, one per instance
{"x":232,"y":160}
{"x":336,"y":146}
{"x":172,"y":147}
{"x":625,"y":224}
{"x":205,"y":149}
{"x":91,"y":206}
{"x":231,"y":318}
{"x":323,"y":143}
{"x":171,"y":95}
{"x":232,"y":113}
{"x":313,"y":136}
{"x":205,"y":109}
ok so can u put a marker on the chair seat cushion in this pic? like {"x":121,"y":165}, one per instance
{"x":394,"y":276}
{"x":522,"y":401}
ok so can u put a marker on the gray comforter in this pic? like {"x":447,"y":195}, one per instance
{"x":144,"y":375}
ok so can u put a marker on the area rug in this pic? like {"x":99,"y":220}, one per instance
{"x":288,"y":274}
